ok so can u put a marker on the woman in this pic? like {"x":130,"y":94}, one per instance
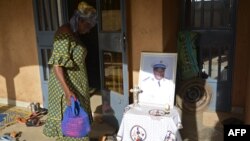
{"x":68,"y":75}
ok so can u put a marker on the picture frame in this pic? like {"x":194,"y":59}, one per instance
{"x":149,"y":58}
{"x":149,"y":61}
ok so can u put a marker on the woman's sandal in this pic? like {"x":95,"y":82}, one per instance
{"x":34,"y":115}
{"x":43,"y":111}
{"x":21,"y":120}
{"x":34,"y":118}
{"x":24,"y":120}
{"x":33,"y":122}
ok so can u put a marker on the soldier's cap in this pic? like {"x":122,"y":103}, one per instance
{"x":160,"y":64}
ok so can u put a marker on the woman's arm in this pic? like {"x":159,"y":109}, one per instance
{"x":59,"y":72}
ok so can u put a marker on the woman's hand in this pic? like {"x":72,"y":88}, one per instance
{"x":68,"y":96}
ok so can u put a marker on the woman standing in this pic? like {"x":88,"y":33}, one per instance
{"x":68,"y":75}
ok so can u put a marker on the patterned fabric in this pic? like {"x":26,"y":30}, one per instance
{"x":68,"y":53}
{"x":149,"y":123}
{"x":187,"y":55}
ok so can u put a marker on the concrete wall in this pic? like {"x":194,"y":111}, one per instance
{"x":19,"y":71}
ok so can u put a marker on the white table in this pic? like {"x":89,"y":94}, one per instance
{"x":149,"y":123}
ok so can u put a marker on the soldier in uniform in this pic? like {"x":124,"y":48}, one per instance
{"x":157,"y":89}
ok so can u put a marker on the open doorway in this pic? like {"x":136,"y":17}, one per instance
{"x":90,"y":40}
{"x":92,"y":59}
{"x":106,"y":60}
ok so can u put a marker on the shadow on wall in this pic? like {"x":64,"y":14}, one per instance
{"x":18,"y":73}
{"x":18,"y":54}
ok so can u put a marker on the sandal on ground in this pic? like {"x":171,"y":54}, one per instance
{"x":30,"y":121}
{"x":42,"y":111}
{"x":35,"y":115}
{"x":21,"y":120}
{"x":39,"y":112}
{"x":33,"y":122}
{"x":24,"y":120}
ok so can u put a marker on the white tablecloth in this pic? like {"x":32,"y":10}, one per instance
{"x":148,"y":123}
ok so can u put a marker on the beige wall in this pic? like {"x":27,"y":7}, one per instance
{"x":145,"y":30}
{"x":149,"y":29}
{"x":19,"y":71}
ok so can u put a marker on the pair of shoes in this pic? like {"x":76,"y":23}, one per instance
{"x":33,"y":122}
{"x":39,"y":112}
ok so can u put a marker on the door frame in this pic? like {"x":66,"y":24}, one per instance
{"x":114,"y":41}
{"x":45,"y":26}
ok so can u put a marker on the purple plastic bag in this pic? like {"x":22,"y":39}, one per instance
{"x":75,"y":121}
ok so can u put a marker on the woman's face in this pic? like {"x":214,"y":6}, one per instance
{"x":84,"y":26}
{"x":159,"y":73}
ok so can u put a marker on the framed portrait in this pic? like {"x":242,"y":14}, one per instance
{"x":149,"y":59}
{"x":157,"y":77}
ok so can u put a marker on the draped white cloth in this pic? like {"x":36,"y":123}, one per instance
{"x":149,"y":123}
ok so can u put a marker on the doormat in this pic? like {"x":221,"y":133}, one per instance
{"x":8,"y":115}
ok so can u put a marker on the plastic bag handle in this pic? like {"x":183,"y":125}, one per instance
{"x":75,"y":106}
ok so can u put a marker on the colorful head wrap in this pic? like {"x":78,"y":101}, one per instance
{"x":83,"y":11}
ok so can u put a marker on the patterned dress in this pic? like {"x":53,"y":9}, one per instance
{"x":69,"y":54}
